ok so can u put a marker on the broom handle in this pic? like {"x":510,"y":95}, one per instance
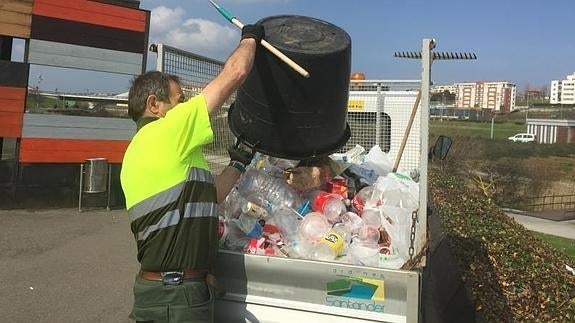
{"x":231,"y":18}
{"x":407,"y":130}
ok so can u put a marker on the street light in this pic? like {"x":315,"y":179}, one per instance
{"x":493,"y":114}
{"x":40,"y":78}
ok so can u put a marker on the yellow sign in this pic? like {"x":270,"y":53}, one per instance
{"x":355,"y":105}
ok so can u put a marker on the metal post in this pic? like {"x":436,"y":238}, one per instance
{"x":109,"y":186}
{"x":160,"y":59}
{"x":426,"y":60}
{"x":81,"y":188}
{"x":492,"y":122}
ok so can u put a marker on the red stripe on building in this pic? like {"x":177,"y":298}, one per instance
{"x":12,"y":102}
{"x":45,"y":150}
{"x":93,"y":13}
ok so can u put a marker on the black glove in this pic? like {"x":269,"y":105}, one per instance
{"x":253,"y":31}
{"x":241,"y":153}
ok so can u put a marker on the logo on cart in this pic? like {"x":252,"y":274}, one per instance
{"x":356,"y":293}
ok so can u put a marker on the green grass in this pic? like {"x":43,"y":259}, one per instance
{"x":478,"y":134}
{"x":452,"y":128}
{"x":564,"y":245}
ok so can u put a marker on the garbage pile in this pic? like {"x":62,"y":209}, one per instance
{"x":346,"y":208}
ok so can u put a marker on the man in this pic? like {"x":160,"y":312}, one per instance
{"x":171,"y":195}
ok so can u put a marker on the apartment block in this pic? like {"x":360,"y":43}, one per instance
{"x":498,"y":96}
{"x":563,"y":91}
{"x":443,"y":88}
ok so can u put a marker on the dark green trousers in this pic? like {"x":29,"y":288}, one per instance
{"x":191,"y":301}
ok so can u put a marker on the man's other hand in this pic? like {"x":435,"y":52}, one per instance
{"x":241,"y":153}
{"x":255,"y":31}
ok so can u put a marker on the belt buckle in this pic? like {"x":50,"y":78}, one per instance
{"x":172,"y":278}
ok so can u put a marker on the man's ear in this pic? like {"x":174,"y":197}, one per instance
{"x":152,"y":104}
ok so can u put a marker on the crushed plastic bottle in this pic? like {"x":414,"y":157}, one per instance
{"x":365,"y":199}
{"x":232,"y":237}
{"x":231,"y":208}
{"x":353,"y":220}
{"x":313,"y":226}
{"x":330,"y":205}
{"x":369,"y":234}
{"x":274,"y":190}
{"x":372,"y":217}
{"x":287,"y":221}
{"x":251,"y":226}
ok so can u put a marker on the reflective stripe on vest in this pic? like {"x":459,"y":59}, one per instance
{"x":192,"y":210}
{"x":168,"y":196}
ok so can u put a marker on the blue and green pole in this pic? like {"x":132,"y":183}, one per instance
{"x":231,"y":18}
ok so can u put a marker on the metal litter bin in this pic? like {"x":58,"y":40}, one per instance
{"x":94,"y":178}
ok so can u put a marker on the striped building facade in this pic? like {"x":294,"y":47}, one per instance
{"x":97,"y":35}
{"x":550,"y":131}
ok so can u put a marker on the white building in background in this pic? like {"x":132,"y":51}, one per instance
{"x":442,"y":88}
{"x":497,"y":96}
{"x":563,"y":92}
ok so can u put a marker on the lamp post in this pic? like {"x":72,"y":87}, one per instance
{"x":38,"y":91}
{"x":493,"y":115}
{"x":492,"y":122}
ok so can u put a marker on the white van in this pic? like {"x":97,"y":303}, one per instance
{"x":523,"y":137}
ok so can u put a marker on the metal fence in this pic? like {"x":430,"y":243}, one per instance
{"x":551,"y":202}
{"x":378,"y":110}
{"x":378,"y":114}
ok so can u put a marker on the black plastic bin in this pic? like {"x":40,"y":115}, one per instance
{"x":285,"y":115}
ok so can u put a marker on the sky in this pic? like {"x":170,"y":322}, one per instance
{"x":526,"y":42}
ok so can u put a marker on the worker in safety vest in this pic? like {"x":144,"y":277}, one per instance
{"x":170,"y":193}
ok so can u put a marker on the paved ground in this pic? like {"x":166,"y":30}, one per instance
{"x":564,"y":229}
{"x":65,"y":266}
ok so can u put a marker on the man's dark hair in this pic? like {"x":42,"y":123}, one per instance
{"x":149,"y":83}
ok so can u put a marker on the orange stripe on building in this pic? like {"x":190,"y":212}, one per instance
{"x":93,"y":13}
{"x":12,"y":101}
{"x":12,"y":93}
{"x":11,"y":125}
{"x":44,"y":150}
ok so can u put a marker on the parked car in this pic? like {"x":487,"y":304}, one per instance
{"x":523,"y":137}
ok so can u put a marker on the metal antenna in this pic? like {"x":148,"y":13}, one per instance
{"x":427,"y":56}
{"x":436,"y":55}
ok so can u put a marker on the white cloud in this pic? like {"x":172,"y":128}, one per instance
{"x":164,"y":19}
{"x":196,"y":35}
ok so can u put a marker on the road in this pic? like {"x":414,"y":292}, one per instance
{"x":565,"y":229}
{"x":65,"y":266}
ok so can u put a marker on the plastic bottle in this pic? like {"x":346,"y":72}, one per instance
{"x":250,"y":225}
{"x":313,"y":226}
{"x":254,"y":210}
{"x":372,"y":217}
{"x":233,"y":238}
{"x":330,"y":205}
{"x":287,"y":221}
{"x":354,"y":221}
{"x":359,"y":200}
{"x":231,"y":208}
{"x":274,"y":190}
{"x":369,"y":234}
